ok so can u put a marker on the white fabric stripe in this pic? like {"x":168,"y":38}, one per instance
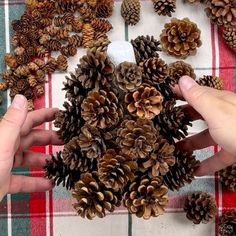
{"x":9,"y":221}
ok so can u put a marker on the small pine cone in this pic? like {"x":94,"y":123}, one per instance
{"x":22,"y":84}
{"x":221,"y":12}
{"x":33,"y":66}
{"x":68,"y":17}
{"x":62,"y":6}
{"x":101,"y":25}
{"x":200,"y":207}
{"x":75,"y":40}
{"x":39,"y":62}
{"x":130,"y":11}
{"x":128,"y":76}
{"x":228,"y":178}
{"x":39,"y":90}
{"x":155,"y":70}
{"x":62,"y":63}
{"x":182,"y":171}
{"x":88,"y":35}
{"x":24,"y":41}
{"x":93,"y":198}
{"x":51,"y":65}
{"x":229,"y":35}
{"x":115,"y":170}
{"x":30,"y":52}
{"x":77,"y":24}
{"x":53,"y":45}
{"x":41,"y":51}
{"x":19,"y":51}
{"x":46,"y":22}
{"x":15,"y":41}
{"x":10,"y":60}
{"x":3,"y":86}
{"x":145,"y":47}
{"x":30,"y":105}
{"x":146,"y":197}
{"x":92,"y":3}
{"x":58,"y":21}
{"x":136,"y":138}
{"x":44,"y":39}
{"x":29,"y":94}
{"x":227,"y":224}
{"x":51,"y":30}
{"x":104,"y":8}
{"x":13,"y":92}
{"x":211,"y":81}
{"x":87,"y":13}
{"x":23,"y":59}
{"x":22,"y":71}
{"x":164,"y":7}
{"x":101,"y":109}
{"x":145,"y":102}
{"x":180,"y":38}
{"x":68,"y":51}
{"x":100,"y":44}
{"x":62,"y":34}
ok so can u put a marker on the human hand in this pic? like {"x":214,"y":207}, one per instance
{"x":218,"y":109}
{"x":17,"y":136}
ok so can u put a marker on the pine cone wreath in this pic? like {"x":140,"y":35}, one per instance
{"x":229,"y":35}
{"x":116,"y":169}
{"x":180,"y":38}
{"x":130,"y":11}
{"x":164,"y":7}
{"x":227,"y":224}
{"x":211,"y":81}
{"x":145,"y":102}
{"x":228,"y":178}
{"x":93,"y":198}
{"x":146,"y":197}
{"x":104,"y":8}
{"x":145,"y":47}
{"x":200,"y":207}
{"x":128,"y":76}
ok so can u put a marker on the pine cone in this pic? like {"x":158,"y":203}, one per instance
{"x":116,"y":169}
{"x":101,"y":25}
{"x":180,"y":38}
{"x":100,"y":45}
{"x":130,"y":11}
{"x":93,"y":198}
{"x":227,"y":224}
{"x":145,"y":102}
{"x":196,"y":1}
{"x":3,"y":86}
{"x":200,"y":207}
{"x":128,"y":76}
{"x":221,"y":12}
{"x":229,"y":34}
{"x":228,"y":177}
{"x":104,"y":8}
{"x":88,"y":35}
{"x":145,"y":47}
{"x":137,"y":138}
{"x":211,"y":81}
{"x":146,"y":197}
{"x":62,"y":63}
{"x":165,"y":90}
{"x":101,"y":109}
{"x":164,"y":7}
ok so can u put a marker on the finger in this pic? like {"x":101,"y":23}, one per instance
{"x":196,"y":142}
{"x":220,"y":160}
{"x":27,"y":184}
{"x":38,"y":117}
{"x":191,"y":113}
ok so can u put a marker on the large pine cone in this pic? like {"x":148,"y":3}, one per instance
{"x":228,"y":177}
{"x":229,"y":34}
{"x":128,"y":76}
{"x":200,"y":207}
{"x":146,"y":197}
{"x":145,"y":47}
{"x":101,"y":109}
{"x":222,"y":12}
{"x":130,"y":11}
{"x":227,"y":224}
{"x":145,"y":102}
{"x":104,"y":8}
{"x":136,"y":138}
{"x":93,"y":198}
{"x":115,"y":170}
{"x":164,"y":7}
{"x":180,"y":38}
{"x":211,"y":81}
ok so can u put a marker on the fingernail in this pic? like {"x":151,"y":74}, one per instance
{"x":186,"y":82}
{"x":19,"y":102}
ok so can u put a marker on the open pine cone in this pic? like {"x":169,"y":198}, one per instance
{"x":229,"y":34}
{"x":228,"y":177}
{"x":146,"y":197}
{"x":200,"y":207}
{"x":164,"y":7}
{"x":211,"y":81}
{"x":227,"y":224}
{"x":104,"y":8}
{"x":180,"y":38}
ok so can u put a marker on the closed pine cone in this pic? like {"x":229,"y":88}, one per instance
{"x":101,"y":25}
{"x":211,"y":81}
{"x":145,"y":47}
{"x":221,"y":12}
{"x":104,"y":8}
{"x":164,"y":7}
{"x":62,"y":63}
{"x":128,"y":76}
{"x":101,"y":109}
{"x":3,"y":86}
{"x":130,"y":11}
{"x":137,"y":138}
{"x":227,"y":224}
{"x":116,"y":169}
{"x":93,"y":198}
{"x":88,"y":35}
{"x":145,"y":102}
{"x":228,"y":177}
{"x":100,"y":45}
{"x":146,"y":197}
{"x":180,"y":38}
{"x":200,"y":207}
{"x":229,"y":34}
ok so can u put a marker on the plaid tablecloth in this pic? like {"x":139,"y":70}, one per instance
{"x":51,"y":213}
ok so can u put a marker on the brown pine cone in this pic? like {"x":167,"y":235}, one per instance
{"x":101,"y":109}
{"x":87,"y":13}
{"x":130,"y":11}
{"x":146,"y":197}
{"x":128,"y":76}
{"x":228,"y":177}
{"x":62,"y":63}
{"x":196,"y":1}
{"x":200,"y":207}
{"x":164,"y":7}
{"x":229,"y":35}
{"x":3,"y":86}
{"x":68,"y":51}
{"x":100,"y":44}
{"x":75,"y":40}
{"x":227,"y":224}
{"x":62,"y":6}
{"x":93,"y":198}
{"x":115,"y":170}
{"x":145,"y":47}
{"x":137,"y":138}
{"x":221,"y":12}
{"x":104,"y":8}
{"x":211,"y":81}
{"x":88,"y":35}
{"x":145,"y":102}
{"x":180,"y":38}
{"x":101,"y":25}
{"x":10,"y":60}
